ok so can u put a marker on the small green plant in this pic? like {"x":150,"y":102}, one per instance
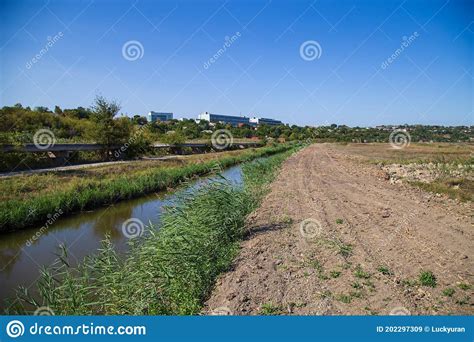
{"x":344,"y":298}
{"x":384,"y":270}
{"x":356,"y":285}
{"x":370,"y":285}
{"x":345,"y":250}
{"x":371,"y":312}
{"x":335,"y":274}
{"x":360,"y":273}
{"x":463,"y":301}
{"x":339,"y":221}
{"x":319,"y":269}
{"x":464,"y":286}
{"x":316,"y":265}
{"x":427,"y":278}
{"x":271,"y":310}
{"x":355,"y":294}
{"x":326,"y":294}
{"x":448,"y":292}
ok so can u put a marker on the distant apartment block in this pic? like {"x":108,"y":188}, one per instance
{"x":158,"y":116}
{"x":225,"y":119}
{"x":265,"y":121}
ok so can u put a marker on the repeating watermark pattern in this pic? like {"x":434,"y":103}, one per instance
{"x":44,"y":138}
{"x":31,"y":212}
{"x":221,"y":311}
{"x":399,"y":138}
{"x":133,"y":139}
{"x":228,"y":41}
{"x":400,"y":311}
{"x":217,"y":168}
{"x":49,"y":222}
{"x":15,"y":329}
{"x":222,"y":139}
{"x":310,"y":50}
{"x":133,"y":50}
{"x":133,"y":228}
{"x":406,"y":42}
{"x":310,"y":228}
{"x":44,"y":50}
{"x":44,"y":311}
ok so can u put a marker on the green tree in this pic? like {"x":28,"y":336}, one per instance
{"x":109,"y":131}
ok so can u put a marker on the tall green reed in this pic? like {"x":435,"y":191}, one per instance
{"x":170,"y":270}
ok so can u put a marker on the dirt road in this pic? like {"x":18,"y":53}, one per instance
{"x":334,"y":237}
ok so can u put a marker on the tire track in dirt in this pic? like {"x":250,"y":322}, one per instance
{"x":279,"y":271}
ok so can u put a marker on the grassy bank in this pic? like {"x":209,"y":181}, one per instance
{"x":82,"y":193}
{"x":171,"y":270}
{"x":455,"y":188}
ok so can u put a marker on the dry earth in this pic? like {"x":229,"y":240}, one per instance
{"x":334,"y":237}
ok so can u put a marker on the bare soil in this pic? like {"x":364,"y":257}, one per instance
{"x":334,"y":237}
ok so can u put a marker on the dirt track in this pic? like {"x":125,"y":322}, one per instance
{"x":288,"y":265}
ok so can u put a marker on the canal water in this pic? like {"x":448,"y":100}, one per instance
{"x":82,"y":233}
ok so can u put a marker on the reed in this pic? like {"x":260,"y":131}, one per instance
{"x":171,"y":270}
{"x":89,"y":194}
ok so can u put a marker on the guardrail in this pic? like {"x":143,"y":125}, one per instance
{"x":32,"y":148}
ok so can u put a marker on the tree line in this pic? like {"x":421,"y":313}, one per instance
{"x":102,"y":123}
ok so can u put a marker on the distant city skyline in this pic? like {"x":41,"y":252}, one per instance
{"x":359,"y":63}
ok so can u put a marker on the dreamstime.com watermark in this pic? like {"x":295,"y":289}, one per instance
{"x":228,"y":41}
{"x":310,"y":50}
{"x":310,"y":228}
{"x":44,"y":311}
{"x":16,"y":329}
{"x":44,"y":50}
{"x":44,"y":138}
{"x":49,"y":222}
{"x":221,"y":311}
{"x":133,"y":50}
{"x":406,"y":42}
{"x":222,"y":139}
{"x":400,"y":311}
{"x":133,"y":228}
{"x":132,"y":140}
{"x":399,"y":138}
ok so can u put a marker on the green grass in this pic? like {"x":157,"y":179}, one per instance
{"x":427,"y":278}
{"x":318,"y":267}
{"x":464,"y":286}
{"x":339,"y":221}
{"x":384,"y":270}
{"x":345,"y":298}
{"x":449,"y":291}
{"x":89,"y":194}
{"x":459,"y":188}
{"x":170,"y":271}
{"x":360,"y":273}
{"x":345,"y":250}
{"x":342,"y":248}
{"x":463,"y":301}
{"x":270,"y":309}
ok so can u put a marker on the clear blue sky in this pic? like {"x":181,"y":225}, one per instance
{"x":262,"y":72}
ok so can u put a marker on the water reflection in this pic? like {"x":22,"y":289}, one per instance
{"x":82,"y":233}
